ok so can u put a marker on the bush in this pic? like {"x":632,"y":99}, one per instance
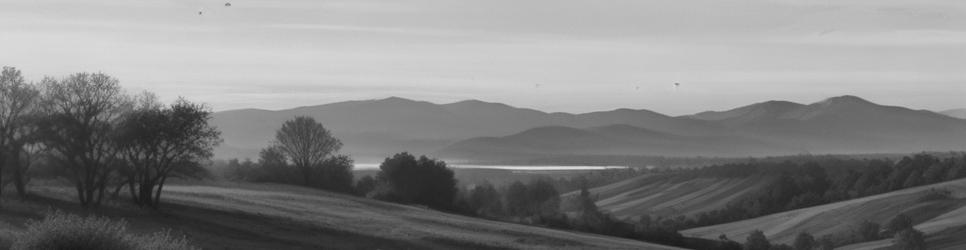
{"x":423,"y":181}
{"x":935,"y":195}
{"x":66,"y":231}
{"x":757,"y":241}
{"x":910,"y":239}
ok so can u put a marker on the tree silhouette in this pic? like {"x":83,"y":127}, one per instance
{"x":517,"y":200}
{"x":899,"y":223}
{"x":421,"y":181}
{"x":18,"y":109}
{"x":910,"y":239}
{"x":156,"y":142}
{"x":757,"y":241}
{"x":81,"y":114}
{"x":867,"y":231}
{"x":306,"y":143}
{"x":804,"y":241}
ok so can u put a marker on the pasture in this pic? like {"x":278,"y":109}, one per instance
{"x":264,"y":216}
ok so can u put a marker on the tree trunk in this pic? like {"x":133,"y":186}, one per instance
{"x":157,"y":194}
{"x":306,"y":176}
{"x":144,"y":194}
{"x":20,"y":181}
{"x":3,"y":164}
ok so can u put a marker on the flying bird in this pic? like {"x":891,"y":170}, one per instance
{"x":228,"y":4}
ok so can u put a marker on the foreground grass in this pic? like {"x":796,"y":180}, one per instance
{"x":255,"y":216}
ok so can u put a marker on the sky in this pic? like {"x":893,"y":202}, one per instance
{"x":551,"y":55}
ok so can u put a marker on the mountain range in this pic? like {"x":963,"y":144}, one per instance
{"x":483,"y":131}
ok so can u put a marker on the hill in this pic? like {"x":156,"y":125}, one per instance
{"x":936,"y":218}
{"x":957,"y":113}
{"x":254,"y":216}
{"x":667,"y":196}
{"x":617,"y":139}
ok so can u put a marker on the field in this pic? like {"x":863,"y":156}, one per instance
{"x":658,"y":195}
{"x":943,"y":221}
{"x":257,"y":216}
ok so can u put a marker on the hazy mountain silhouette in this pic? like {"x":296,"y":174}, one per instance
{"x":844,"y":124}
{"x":617,"y":139}
{"x":373,"y":129}
{"x":957,"y":113}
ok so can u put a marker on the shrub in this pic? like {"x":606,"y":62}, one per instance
{"x":936,"y":194}
{"x":61,"y":230}
{"x":757,"y":241}
{"x":910,"y":239}
{"x":422,"y":181}
{"x":899,"y":223}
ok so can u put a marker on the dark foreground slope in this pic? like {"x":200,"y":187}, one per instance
{"x":283,"y":217}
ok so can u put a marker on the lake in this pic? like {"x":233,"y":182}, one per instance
{"x":374,"y":166}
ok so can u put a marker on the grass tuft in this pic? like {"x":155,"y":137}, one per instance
{"x":60,"y":230}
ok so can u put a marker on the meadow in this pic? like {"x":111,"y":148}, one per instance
{"x":268,"y":216}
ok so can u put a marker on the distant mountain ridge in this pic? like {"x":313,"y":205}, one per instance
{"x":478,"y":130}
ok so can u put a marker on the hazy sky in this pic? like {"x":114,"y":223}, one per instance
{"x":585,"y":55}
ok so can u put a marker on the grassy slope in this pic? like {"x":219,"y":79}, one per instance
{"x":933,"y":217}
{"x":658,"y":195}
{"x":249,"y":216}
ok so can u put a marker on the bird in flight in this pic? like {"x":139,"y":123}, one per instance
{"x":228,"y":4}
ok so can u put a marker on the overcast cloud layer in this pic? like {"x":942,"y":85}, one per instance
{"x":554,"y":55}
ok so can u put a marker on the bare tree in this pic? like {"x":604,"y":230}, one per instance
{"x":306,"y":143}
{"x":18,"y":103}
{"x":157,"y":142}
{"x":81,"y":113}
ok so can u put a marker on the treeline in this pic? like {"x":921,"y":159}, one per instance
{"x":87,"y":130}
{"x":799,"y":185}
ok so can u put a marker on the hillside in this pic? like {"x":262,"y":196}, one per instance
{"x":252,"y":216}
{"x":661,"y":195}
{"x":617,"y":139}
{"x":658,"y":195}
{"x":957,"y":113}
{"x":931,"y":217}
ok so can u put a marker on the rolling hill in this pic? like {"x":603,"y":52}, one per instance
{"x":659,"y":195}
{"x":256,"y":216}
{"x":937,"y":218}
{"x":957,"y":113}
{"x":617,"y":139}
